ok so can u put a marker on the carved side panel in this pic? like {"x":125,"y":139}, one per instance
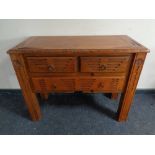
{"x":43,"y":85}
{"x":128,"y":95}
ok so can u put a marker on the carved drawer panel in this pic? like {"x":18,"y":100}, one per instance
{"x":53,"y":84}
{"x":104,"y":64}
{"x":101,"y":84}
{"x":71,"y":84}
{"x":52,"y":64}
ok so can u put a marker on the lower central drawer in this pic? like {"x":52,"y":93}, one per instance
{"x":72,"y":84}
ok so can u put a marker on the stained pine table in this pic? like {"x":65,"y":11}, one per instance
{"x":87,"y":64}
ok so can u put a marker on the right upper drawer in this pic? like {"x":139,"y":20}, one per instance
{"x":105,"y":64}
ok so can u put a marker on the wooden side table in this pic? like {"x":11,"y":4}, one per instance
{"x":90,"y":64}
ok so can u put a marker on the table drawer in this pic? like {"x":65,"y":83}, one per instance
{"x":101,"y":84}
{"x":71,"y":84}
{"x":104,"y":64}
{"x":52,"y":64}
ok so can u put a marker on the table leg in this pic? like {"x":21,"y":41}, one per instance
{"x":29,"y":95}
{"x":128,"y":94}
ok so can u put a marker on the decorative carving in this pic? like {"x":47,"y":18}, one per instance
{"x":138,"y":66}
{"x":39,"y":61}
{"x":114,"y":84}
{"x":17,"y":63}
{"x":139,"y":62}
{"x":104,"y":64}
{"x":101,"y":85}
{"x":52,"y":64}
{"x":43,"y":85}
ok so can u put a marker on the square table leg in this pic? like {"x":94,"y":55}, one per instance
{"x":29,"y":96}
{"x":129,"y":92}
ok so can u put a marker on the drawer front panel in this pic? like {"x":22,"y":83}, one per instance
{"x":52,"y":64}
{"x":53,"y":84}
{"x":101,"y":84}
{"x":71,"y":84}
{"x":104,"y":64}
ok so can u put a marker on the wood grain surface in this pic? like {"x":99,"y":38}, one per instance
{"x":89,"y":64}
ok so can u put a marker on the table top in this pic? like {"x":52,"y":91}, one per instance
{"x":122,"y":42}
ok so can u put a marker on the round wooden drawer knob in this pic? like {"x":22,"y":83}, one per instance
{"x":102,"y":67}
{"x":51,"y":68}
{"x":54,"y":86}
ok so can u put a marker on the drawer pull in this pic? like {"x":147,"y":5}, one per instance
{"x":51,"y":68}
{"x":54,"y":86}
{"x":101,"y":85}
{"x":52,"y":64}
{"x":102,"y":67}
{"x":108,"y":64}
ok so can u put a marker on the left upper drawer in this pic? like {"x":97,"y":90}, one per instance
{"x":52,"y":64}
